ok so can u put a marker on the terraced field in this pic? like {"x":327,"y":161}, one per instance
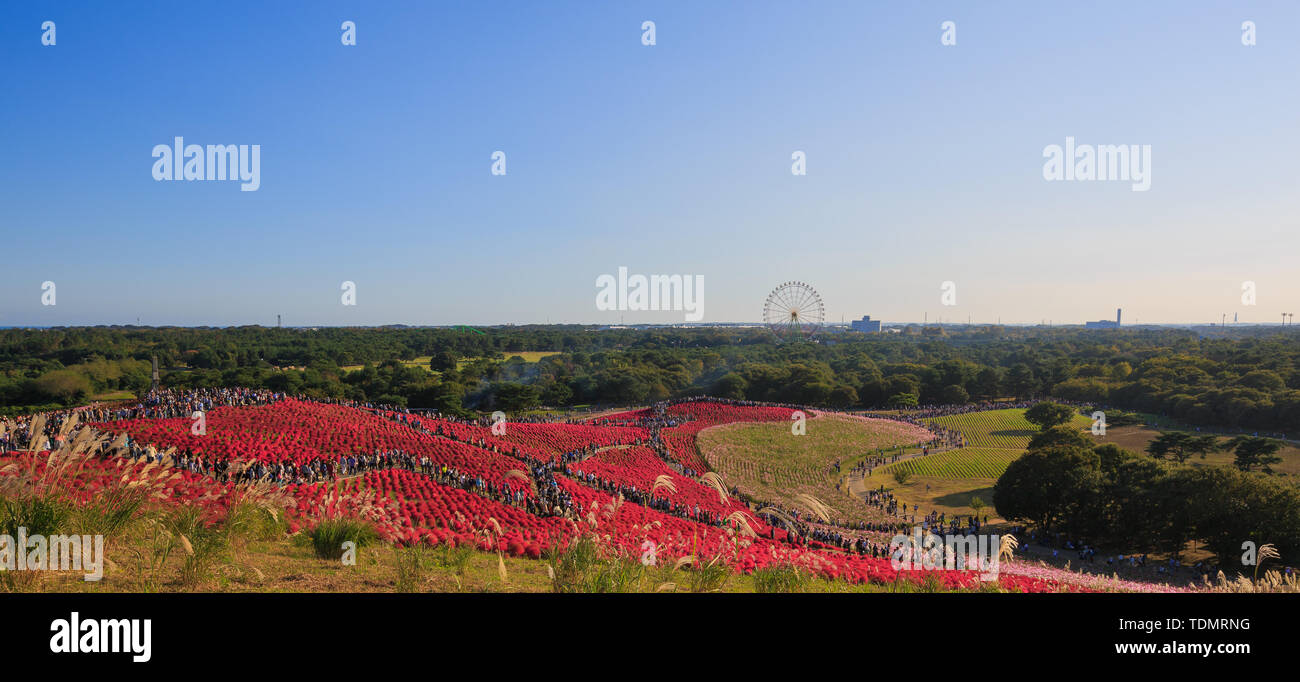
{"x":947,"y":481}
{"x":961,"y":463}
{"x":996,"y":438}
{"x":1002,"y":429}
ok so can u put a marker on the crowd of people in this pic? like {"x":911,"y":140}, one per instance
{"x":933,"y":411}
{"x":169,"y":404}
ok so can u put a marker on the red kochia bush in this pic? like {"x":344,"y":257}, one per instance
{"x":541,"y":442}
{"x":410,"y":508}
{"x":93,"y":476}
{"x":423,"y":510}
{"x":640,"y":466}
{"x":630,"y":525}
{"x":300,"y":432}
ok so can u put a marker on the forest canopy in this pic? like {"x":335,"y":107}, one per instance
{"x":1239,"y":378}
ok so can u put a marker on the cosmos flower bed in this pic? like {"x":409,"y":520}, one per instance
{"x":409,"y":508}
{"x":479,"y":436}
{"x":1081,"y":582}
{"x":682,"y":447}
{"x":627,"y":418}
{"x":723,"y":413}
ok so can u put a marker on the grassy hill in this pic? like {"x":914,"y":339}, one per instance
{"x":767,"y":462}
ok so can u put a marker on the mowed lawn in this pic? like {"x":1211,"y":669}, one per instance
{"x":768,"y":462}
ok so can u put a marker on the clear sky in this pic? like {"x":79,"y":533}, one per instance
{"x":924,"y":161}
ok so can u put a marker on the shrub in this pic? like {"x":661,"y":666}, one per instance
{"x":581,"y":568}
{"x":783,"y":578}
{"x":204,"y":544}
{"x":328,"y":536}
{"x":39,"y":514}
{"x":412,"y":566}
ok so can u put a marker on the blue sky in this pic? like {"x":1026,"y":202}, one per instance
{"x":924,"y":161}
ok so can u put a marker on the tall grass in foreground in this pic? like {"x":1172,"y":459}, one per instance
{"x":582,"y":568}
{"x":110,"y":513}
{"x":38,"y":514}
{"x":455,"y":560}
{"x":412,"y":564}
{"x":328,"y":536}
{"x":710,"y":577}
{"x":784,"y":578}
{"x":204,"y":544}
{"x":39,"y":491}
{"x":1273,"y":581}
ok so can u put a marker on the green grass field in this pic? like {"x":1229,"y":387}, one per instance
{"x":960,"y":463}
{"x":113,"y":395}
{"x":1002,"y":429}
{"x":529,"y":356}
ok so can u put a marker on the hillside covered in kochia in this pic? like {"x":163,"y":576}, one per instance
{"x":1245,"y":378}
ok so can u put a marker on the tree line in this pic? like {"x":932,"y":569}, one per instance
{"x":1245,"y":378}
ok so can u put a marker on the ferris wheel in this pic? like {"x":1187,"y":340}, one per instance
{"x":794,"y":310}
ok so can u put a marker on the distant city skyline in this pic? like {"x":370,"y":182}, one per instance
{"x":925,"y":163}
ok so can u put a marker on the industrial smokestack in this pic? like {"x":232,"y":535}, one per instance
{"x":1118,"y":312}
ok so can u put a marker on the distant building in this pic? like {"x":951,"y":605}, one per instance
{"x":1106,"y":324}
{"x":866,"y":324}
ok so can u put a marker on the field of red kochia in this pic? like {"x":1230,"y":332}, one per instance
{"x":407,"y":507}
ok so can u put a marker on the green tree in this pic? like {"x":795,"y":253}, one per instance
{"x":1175,"y":445}
{"x":903,"y":400}
{"x":1047,"y":414}
{"x":843,"y":397}
{"x":1021,"y":381}
{"x":954,"y":394}
{"x":1048,"y":487}
{"x":443,"y":361}
{"x":1252,"y":451}
{"x":730,"y":385}
{"x":513,"y":397}
{"x":62,"y":385}
{"x":1058,"y":436}
{"x":1203,"y":445}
